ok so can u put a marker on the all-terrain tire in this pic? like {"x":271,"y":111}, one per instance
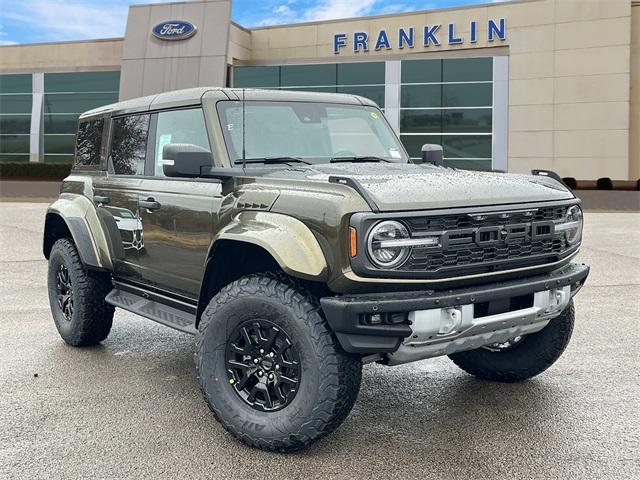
{"x":329,"y":377}
{"x":91,"y":317}
{"x":528,"y":358}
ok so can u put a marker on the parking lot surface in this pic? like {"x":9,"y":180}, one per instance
{"x":131,"y":407}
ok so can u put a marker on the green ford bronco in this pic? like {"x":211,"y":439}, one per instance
{"x":293,"y":236}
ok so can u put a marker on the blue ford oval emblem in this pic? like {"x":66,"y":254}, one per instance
{"x":174,"y":30}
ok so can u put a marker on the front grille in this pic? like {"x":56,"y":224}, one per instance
{"x":452,"y":258}
{"x":454,"y":222}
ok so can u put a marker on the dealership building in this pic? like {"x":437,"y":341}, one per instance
{"x":550,"y":84}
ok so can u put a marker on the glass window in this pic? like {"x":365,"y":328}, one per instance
{"x":421,"y":71}
{"x":467,"y":120}
{"x":129,"y":144}
{"x":15,"y":103}
{"x":312,"y":89}
{"x":307,"y":75}
{"x":467,"y":146}
{"x":62,"y":123}
{"x":82,"y":82}
{"x":365,"y":73}
{"x":14,"y":157}
{"x":77,"y":102}
{"x":58,"y":158}
{"x":59,"y":143}
{"x":256,"y":77}
{"x":467,"y":69}
{"x":421,"y":121}
{"x":467,"y":95}
{"x":14,"y":143}
{"x":469,"y":164}
{"x":179,"y":126}
{"x":421,"y":96}
{"x":15,"y":83}
{"x":88,"y":142}
{"x":315,"y":132}
{"x":15,"y":124}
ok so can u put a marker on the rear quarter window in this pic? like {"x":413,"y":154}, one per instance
{"x":89,"y":142}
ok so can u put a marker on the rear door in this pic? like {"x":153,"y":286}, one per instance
{"x":117,"y":194}
{"x":178,"y":215}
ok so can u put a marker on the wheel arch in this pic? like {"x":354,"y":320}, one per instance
{"x":256,"y":242}
{"x":75,"y":218}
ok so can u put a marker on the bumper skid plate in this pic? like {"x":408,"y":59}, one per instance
{"x":444,"y":322}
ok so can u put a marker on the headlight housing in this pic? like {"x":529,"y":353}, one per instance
{"x":387,"y":244}
{"x":571,"y":225}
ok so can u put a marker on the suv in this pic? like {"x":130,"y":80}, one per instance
{"x":293,"y":236}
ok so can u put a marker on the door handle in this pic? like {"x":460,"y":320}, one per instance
{"x":149,"y":204}
{"x":101,"y":199}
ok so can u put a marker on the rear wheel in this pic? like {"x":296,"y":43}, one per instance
{"x":76,"y":297}
{"x":270,"y":368}
{"x":521,"y":357}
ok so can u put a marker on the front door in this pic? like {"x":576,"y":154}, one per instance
{"x":177,"y":232}
{"x":178,"y":214}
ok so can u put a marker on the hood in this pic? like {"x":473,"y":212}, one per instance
{"x":415,"y":187}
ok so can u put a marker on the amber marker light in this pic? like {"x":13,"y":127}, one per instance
{"x":353,"y":242}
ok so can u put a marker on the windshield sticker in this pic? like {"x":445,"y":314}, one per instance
{"x":374,"y":115}
{"x":394,"y":153}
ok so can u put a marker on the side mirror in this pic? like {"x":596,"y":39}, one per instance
{"x":185,"y":160}
{"x":432,"y":153}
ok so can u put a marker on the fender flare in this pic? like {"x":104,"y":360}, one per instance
{"x":289,"y":241}
{"x":81,"y":219}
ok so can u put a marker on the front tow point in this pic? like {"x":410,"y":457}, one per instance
{"x":450,"y":322}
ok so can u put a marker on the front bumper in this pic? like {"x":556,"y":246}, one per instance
{"x":345,"y":314}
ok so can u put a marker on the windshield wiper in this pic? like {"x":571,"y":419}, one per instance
{"x":359,"y":159}
{"x":271,"y":160}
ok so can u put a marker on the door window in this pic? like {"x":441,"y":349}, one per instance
{"x":129,"y":144}
{"x":88,"y":142}
{"x":179,"y":126}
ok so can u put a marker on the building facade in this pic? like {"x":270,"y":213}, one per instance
{"x":550,"y":84}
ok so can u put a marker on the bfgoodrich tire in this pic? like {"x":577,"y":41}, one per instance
{"x":529,"y":357}
{"x":76,"y":297}
{"x":270,"y":368}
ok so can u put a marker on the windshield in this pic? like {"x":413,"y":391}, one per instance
{"x":311,"y":132}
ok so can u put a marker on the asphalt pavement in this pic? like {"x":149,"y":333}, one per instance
{"x":131,"y":407}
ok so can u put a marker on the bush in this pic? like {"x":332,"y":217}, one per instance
{"x":604,"y":184}
{"x":570,"y":182}
{"x":53,"y":171}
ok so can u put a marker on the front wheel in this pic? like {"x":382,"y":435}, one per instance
{"x":522,"y":357}
{"x":270,"y":368}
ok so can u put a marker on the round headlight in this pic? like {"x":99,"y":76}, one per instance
{"x":573,"y":225}
{"x":385,"y":245}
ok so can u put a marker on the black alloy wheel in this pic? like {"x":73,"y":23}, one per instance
{"x":263,"y":365}
{"x":65,"y":292}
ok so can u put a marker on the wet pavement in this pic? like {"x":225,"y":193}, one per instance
{"x":131,"y":407}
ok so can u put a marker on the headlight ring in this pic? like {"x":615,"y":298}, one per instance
{"x":386,"y":244}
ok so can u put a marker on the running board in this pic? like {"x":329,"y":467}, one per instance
{"x":158,"y":312}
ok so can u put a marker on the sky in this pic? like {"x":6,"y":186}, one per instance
{"x":32,"y":21}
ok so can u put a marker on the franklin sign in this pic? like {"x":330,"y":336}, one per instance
{"x":174,"y":30}
{"x":427,"y":36}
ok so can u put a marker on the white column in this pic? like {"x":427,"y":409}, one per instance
{"x":392,"y":93}
{"x":500,"y":113}
{"x":36,"y":137}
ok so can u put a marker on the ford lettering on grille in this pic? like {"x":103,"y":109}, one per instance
{"x":498,"y":234}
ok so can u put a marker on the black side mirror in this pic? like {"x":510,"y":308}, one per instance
{"x":432,"y":153}
{"x":185,"y":160}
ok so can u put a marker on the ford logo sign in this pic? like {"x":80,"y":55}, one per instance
{"x":174,"y":30}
